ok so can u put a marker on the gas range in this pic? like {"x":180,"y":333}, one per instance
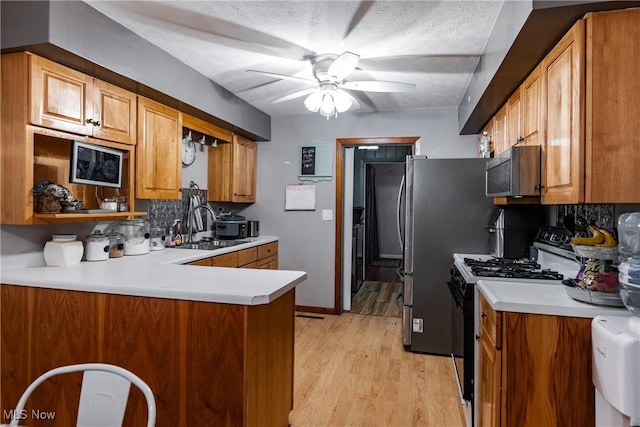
{"x":555,"y":262}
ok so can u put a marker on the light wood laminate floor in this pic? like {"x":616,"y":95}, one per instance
{"x":377,"y":299}
{"x":352,"y":370}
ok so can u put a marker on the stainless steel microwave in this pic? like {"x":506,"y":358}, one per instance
{"x":514,"y":173}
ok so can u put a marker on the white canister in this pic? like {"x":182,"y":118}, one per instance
{"x":97,"y":247}
{"x":64,"y":250}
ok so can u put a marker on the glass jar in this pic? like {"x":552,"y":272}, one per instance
{"x":158,"y":238}
{"x":96,"y":247}
{"x":116,"y":244}
{"x":136,"y":235}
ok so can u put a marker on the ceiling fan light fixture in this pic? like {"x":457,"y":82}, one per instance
{"x":342,"y":101}
{"x":313,"y":101}
{"x":327,"y":106}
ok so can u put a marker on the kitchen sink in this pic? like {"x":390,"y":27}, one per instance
{"x":211,"y":244}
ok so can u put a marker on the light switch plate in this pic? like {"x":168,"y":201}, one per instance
{"x":327,"y":214}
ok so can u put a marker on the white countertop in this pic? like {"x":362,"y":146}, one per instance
{"x":541,"y":298}
{"x":160,"y":274}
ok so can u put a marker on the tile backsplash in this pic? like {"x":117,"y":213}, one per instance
{"x":601,"y":215}
{"x":162,"y":213}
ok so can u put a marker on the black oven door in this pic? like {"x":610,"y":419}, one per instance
{"x":463,"y":296}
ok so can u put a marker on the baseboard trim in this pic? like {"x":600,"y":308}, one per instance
{"x":320,"y":310}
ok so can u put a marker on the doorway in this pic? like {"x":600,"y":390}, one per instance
{"x":399,"y":147}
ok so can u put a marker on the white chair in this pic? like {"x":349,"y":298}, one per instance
{"x":103,"y":397}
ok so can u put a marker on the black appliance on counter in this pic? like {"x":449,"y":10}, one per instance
{"x":512,"y":230}
{"x":231,"y":227}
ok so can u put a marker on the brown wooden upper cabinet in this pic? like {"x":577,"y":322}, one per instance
{"x":514,"y":119}
{"x":68,"y":100}
{"x":232,"y":171}
{"x":35,"y":149}
{"x":500,"y":131}
{"x":590,"y":88}
{"x":532,"y":114}
{"x":580,"y":105}
{"x":158,"y":168}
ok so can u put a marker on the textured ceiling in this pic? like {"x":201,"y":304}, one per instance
{"x":432,"y":44}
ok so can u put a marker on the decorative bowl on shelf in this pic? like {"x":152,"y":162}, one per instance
{"x":70,"y":206}
{"x":596,"y":252}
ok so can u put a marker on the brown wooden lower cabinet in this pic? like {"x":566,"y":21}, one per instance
{"x":208,"y":364}
{"x":535,"y":370}
{"x":263,"y":256}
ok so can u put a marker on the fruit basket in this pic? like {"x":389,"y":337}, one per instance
{"x":596,"y":252}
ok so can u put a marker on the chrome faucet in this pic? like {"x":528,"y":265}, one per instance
{"x":190,"y":216}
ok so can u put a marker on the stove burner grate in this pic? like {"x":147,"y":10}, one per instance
{"x":510,"y":268}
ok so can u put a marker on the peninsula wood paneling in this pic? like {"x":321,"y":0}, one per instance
{"x":206,"y":363}
{"x":546,"y":371}
{"x":215,"y":398}
{"x":140,"y":335}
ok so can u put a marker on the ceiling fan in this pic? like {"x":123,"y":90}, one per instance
{"x":329,"y":94}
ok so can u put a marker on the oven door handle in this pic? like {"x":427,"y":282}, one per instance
{"x":455,"y":291}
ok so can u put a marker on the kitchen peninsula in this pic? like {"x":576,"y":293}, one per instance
{"x":214,"y":344}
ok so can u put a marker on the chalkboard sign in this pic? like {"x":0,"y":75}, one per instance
{"x":308,"y":161}
{"x":316,"y":161}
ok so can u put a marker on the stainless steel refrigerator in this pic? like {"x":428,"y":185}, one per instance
{"x":446,"y":212}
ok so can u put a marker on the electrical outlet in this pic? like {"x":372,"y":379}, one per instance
{"x":327,"y":214}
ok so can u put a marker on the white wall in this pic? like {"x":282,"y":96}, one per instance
{"x":306,"y":242}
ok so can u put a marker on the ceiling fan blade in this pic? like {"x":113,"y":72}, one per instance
{"x":378,"y":86}
{"x":293,"y":95}
{"x":343,"y":65}
{"x":286,"y":77}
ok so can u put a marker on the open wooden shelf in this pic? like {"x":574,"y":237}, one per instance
{"x":74,"y":217}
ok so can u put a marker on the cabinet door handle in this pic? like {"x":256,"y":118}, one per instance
{"x":96,"y":123}
{"x":483,"y":315}
{"x":92,"y":122}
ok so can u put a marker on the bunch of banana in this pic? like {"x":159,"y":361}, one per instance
{"x":609,"y":240}
{"x":599,"y":237}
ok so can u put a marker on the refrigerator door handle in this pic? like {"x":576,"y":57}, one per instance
{"x":399,"y":210}
{"x":407,"y":291}
{"x":406,"y":325}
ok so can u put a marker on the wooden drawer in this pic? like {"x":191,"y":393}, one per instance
{"x":250,"y":265}
{"x":247,"y":256}
{"x":207,"y":262}
{"x":491,"y":323}
{"x":269,"y":263}
{"x":267,"y":250}
{"x":226,"y":260}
